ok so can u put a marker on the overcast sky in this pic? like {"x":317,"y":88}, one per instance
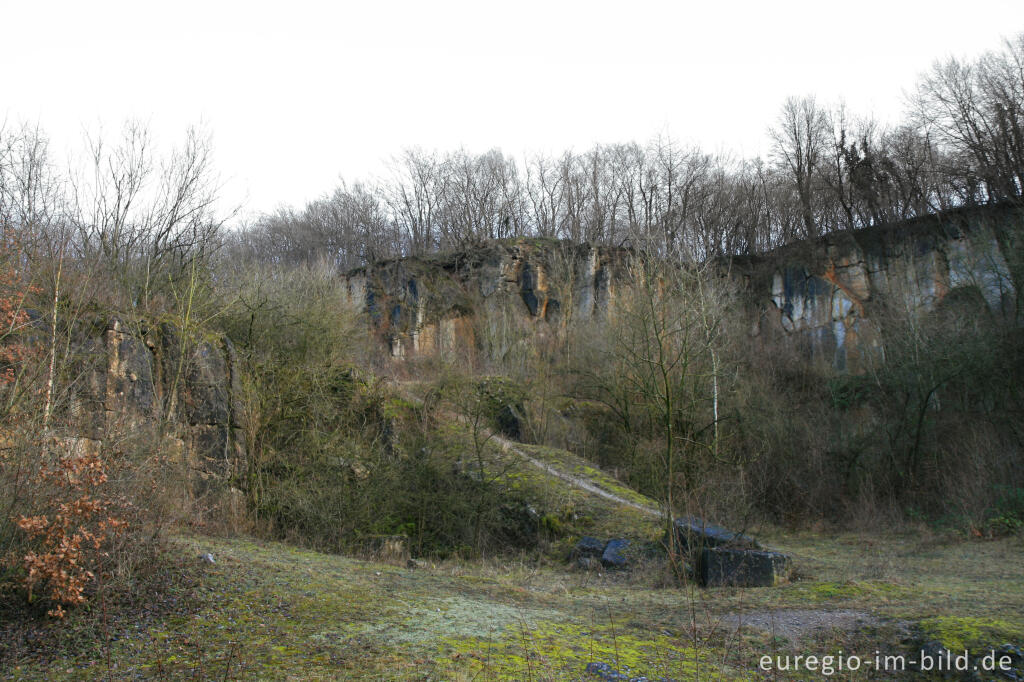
{"x":300,"y":94}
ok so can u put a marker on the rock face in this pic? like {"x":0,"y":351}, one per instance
{"x":827,"y":298}
{"x":149,"y":387}
{"x":426,"y":306}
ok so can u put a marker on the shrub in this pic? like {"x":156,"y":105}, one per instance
{"x":82,"y":521}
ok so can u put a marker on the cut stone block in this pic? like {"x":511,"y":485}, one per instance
{"x":723,"y":566}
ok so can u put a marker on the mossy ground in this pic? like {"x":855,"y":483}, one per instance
{"x":272,"y":611}
{"x":579,"y":511}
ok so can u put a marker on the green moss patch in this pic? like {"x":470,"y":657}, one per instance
{"x":965,"y":633}
{"x":558,"y":650}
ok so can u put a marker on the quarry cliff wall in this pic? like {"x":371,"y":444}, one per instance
{"x":146,"y":386}
{"x":826,"y":298}
{"x":429,"y":305}
{"x":832,"y":297}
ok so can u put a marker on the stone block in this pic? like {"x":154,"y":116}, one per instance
{"x":723,"y":566}
{"x":694,"y":534}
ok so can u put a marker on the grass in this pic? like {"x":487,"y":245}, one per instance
{"x":272,"y":611}
{"x":583,"y":512}
{"x":578,"y":511}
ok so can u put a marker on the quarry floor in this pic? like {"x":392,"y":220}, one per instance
{"x":273,"y":611}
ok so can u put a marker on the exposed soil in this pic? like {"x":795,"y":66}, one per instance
{"x":796,"y":625}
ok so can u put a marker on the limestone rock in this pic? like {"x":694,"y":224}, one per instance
{"x":823,"y":298}
{"x":589,"y":547}
{"x":427,"y":305}
{"x":614,"y":555}
{"x":694,"y":534}
{"x":130,"y":391}
{"x":723,"y":566}
{"x":135,"y":384}
{"x":592,"y":554}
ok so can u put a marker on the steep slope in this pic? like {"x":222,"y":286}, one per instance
{"x":567,"y":494}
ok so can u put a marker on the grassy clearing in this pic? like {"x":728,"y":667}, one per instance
{"x":272,"y":611}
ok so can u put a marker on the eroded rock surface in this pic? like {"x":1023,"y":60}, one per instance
{"x":831,"y":298}
{"x":828,"y":299}
{"x":149,"y":387}
{"x":427,"y":306}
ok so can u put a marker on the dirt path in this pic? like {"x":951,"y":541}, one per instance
{"x":513,"y":447}
{"x":797,"y":624}
{"x":578,"y":481}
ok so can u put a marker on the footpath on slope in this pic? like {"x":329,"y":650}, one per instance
{"x":517,"y":449}
{"x":610,"y":507}
{"x":578,"y":481}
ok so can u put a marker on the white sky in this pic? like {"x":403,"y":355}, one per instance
{"x":298,"y":94}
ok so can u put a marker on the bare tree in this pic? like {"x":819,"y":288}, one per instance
{"x":413,"y":198}
{"x":544,"y":195}
{"x":660,"y":373}
{"x":800,"y":138}
{"x":828,"y":170}
{"x":146,"y":218}
{"x":977,"y":109}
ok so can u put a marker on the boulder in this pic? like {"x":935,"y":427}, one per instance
{"x":588,"y":547}
{"x":725,"y":566}
{"x":694,"y":534}
{"x":613,"y":555}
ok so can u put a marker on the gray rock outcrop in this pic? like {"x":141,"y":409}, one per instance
{"x":826,"y":298}
{"x":149,"y":386}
